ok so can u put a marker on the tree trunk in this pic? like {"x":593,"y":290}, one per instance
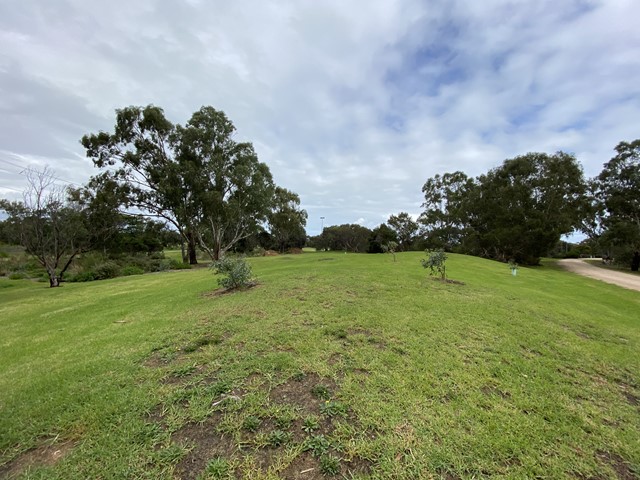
{"x":54,"y":280}
{"x":183,"y":250}
{"x":193,"y":260}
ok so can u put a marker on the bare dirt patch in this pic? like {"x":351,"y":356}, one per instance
{"x":46,"y":454}
{"x":619,"y":465}
{"x":305,"y":392}
{"x":206,"y":443}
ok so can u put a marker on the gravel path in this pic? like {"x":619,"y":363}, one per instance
{"x":621,"y":279}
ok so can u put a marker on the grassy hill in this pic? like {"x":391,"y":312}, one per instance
{"x":334,"y":364}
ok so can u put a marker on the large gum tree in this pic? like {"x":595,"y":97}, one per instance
{"x":211,"y":188}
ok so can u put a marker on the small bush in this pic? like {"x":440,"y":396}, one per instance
{"x":218,"y":468}
{"x":436,"y":263}
{"x":131,"y":270}
{"x":106,"y":270}
{"x":237,"y":271}
{"x":178,"y":265}
{"x":329,"y":465}
{"x":87,"y":276}
{"x":17,"y":276}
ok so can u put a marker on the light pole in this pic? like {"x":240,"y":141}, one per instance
{"x":321,"y":225}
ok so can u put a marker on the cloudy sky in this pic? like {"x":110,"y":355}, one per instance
{"x":353,"y":105}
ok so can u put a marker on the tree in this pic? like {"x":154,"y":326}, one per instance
{"x":405,"y":229}
{"x":348,"y":237}
{"x":233,"y":192}
{"x":212,"y":189}
{"x":446,"y":216}
{"x":381,"y":236}
{"x":436,"y":262}
{"x":520,"y":209}
{"x":287,"y":220}
{"x":48,"y":225}
{"x":618,"y":188}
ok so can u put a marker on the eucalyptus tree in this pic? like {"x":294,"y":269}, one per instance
{"x":211,"y":188}
{"x":618,"y":190}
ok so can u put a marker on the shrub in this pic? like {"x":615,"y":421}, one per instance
{"x":178,"y":265}
{"x":17,"y":276}
{"x":106,"y":270}
{"x":436,"y":263}
{"x":237,"y":271}
{"x":86,"y":276}
{"x":131,"y":270}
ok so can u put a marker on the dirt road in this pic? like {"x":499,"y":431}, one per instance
{"x":621,"y":279}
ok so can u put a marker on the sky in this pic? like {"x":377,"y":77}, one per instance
{"x":352,"y":105}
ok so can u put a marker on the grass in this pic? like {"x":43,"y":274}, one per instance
{"x":375,"y":367}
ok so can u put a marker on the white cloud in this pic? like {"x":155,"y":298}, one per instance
{"x":352,"y":104}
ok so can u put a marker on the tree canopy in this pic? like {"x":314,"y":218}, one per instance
{"x":211,"y":188}
{"x":517,"y":211}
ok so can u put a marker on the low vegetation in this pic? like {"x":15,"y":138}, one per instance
{"x":337,"y":366}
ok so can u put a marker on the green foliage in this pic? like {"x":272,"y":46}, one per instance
{"x":278,"y":438}
{"x":405,"y":229}
{"x":106,"y":270}
{"x":329,"y":465}
{"x":381,"y":235}
{"x":321,"y":392}
{"x":517,"y":210}
{"x":333,"y":409}
{"x":286,"y":221}
{"x":348,"y":237}
{"x":310,"y":424}
{"x":218,"y":468}
{"x":131,"y":270}
{"x":17,"y":276}
{"x":251,"y":423}
{"x":436,"y":262}
{"x":617,"y":196}
{"x":317,"y":444}
{"x":237,"y":271}
{"x":210,"y":187}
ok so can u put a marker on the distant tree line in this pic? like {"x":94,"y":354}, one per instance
{"x":196,"y":187}
{"x":520,"y":209}
{"x":517,"y":212}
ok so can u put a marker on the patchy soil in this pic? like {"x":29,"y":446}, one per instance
{"x":45,"y":455}
{"x":309,"y":410}
{"x":206,"y":443}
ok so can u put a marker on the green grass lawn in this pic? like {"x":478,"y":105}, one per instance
{"x":334,"y":364}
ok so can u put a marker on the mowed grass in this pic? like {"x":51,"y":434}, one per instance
{"x":536,"y":375}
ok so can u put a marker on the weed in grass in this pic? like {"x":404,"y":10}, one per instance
{"x":251,"y":423}
{"x":219,"y":387}
{"x":284,"y":420}
{"x":333,"y":409}
{"x":298,"y":376}
{"x":278,"y":438}
{"x":171,"y":454}
{"x":329,"y":465}
{"x":184,"y":371}
{"x":310,"y":424}
{"x":318,"y":445}
{"x":199,"y":343}
{"x":321,"y":392}
{"x":218,"y":468}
